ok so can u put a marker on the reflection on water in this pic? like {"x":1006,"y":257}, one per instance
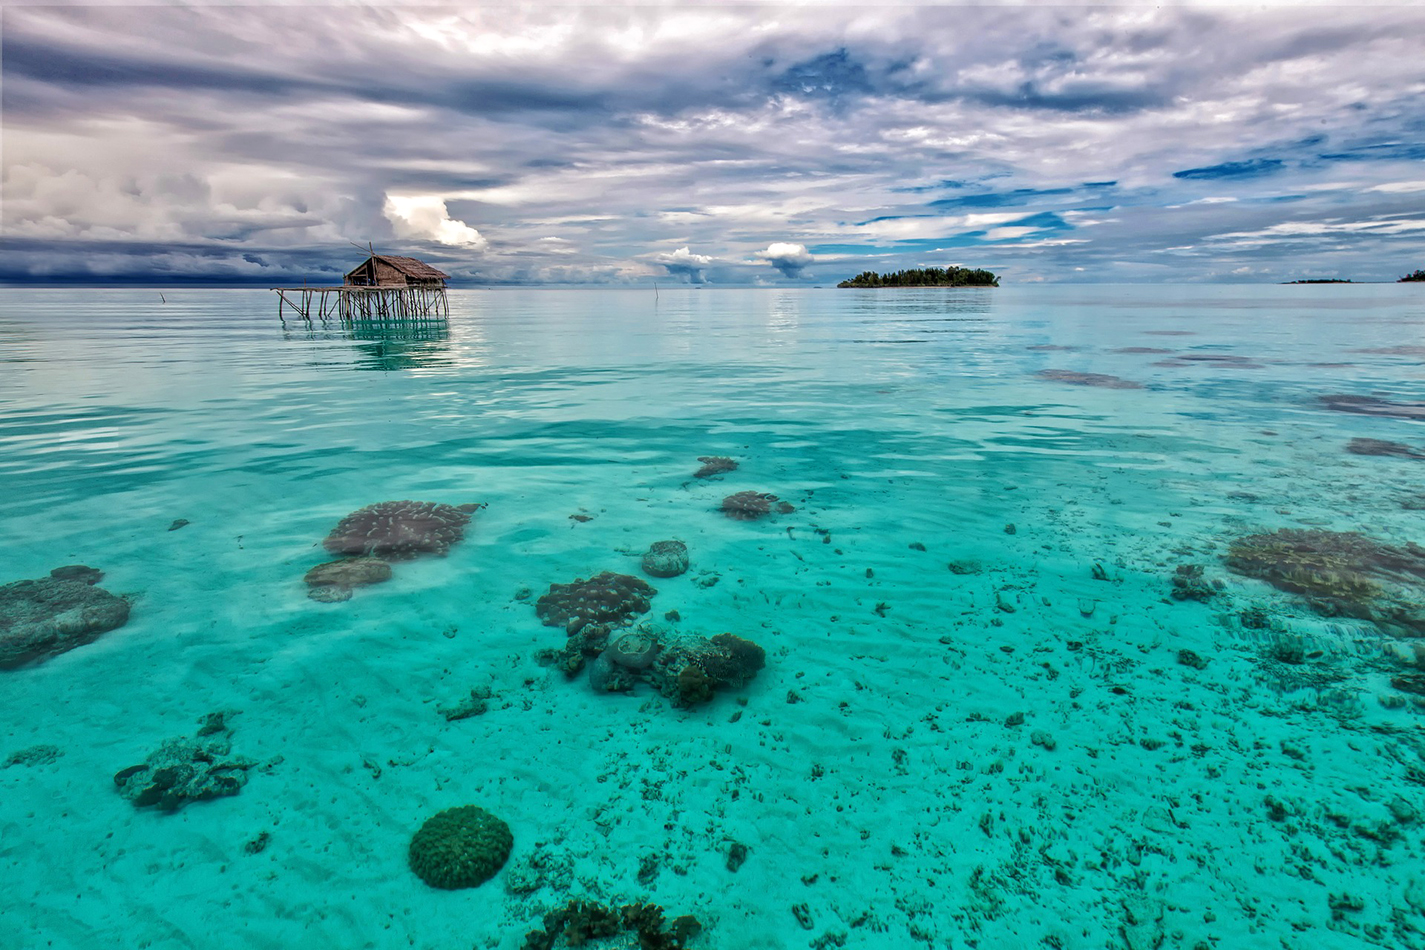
{"x":384,"y":344}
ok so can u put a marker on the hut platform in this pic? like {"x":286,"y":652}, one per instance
{"x":363,"y":303}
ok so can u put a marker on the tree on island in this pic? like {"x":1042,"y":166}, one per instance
{"x":1417,"y":277}
{"x":925,"y":277}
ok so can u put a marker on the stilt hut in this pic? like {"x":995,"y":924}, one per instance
{"x":387,"y":270}
{"x":382,"y":287}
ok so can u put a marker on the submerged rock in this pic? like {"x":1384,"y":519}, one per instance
{"x":751,"y":505}
{"x":187,"y":770}
{"x":334,"y":580}
{"x":400,"y":530}
{"x":77,"y":572}
{"x":43,"y":618}
{"x":666,"y":559}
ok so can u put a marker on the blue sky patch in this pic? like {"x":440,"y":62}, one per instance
{"x":1251,"y":168}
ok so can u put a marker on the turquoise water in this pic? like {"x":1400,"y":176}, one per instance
{"x":977,"y":744}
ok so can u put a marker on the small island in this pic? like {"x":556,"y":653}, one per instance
{"x":1415,"y":278}
{"x":1320,"y":280}
{"x":925,"y":277}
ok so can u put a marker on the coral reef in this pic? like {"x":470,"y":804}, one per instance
{"x":686,"y":669}
{"x":751,"y":505}
{"x":334,"y":580}
{"x":607,"y":677}
{"x":43,"y":618}
{"x":637,"y":649}
{"x":691,"y":670}
{"x":666,"y":559}
{"x":187,"y":770}
{"x":544,"y":866}
{"x":731,"y":660}
{"x":714,"y":465}
{"x":1087,"y":379}
{"x":607,"y":599}
{"x":1382,"y":447}
{"x":1340,"y":573}
{"x":580,"y":921}
{"x":33,"y":756}
{"x":460,"y":847}
{"x":400,"y":530}
{"x":477,"y":703}
{"x":1188,"y":584}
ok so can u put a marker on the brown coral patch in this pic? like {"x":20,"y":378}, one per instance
{"x":399,"y":530}
{"x":1374,"y":406}
{"x":714,"y":465}
{"x":1076,"y":378}
{"x":605,"y":599}
{"x":1383,"y":447}
{"x":1340,"y":573}
{"x":751,"y":505}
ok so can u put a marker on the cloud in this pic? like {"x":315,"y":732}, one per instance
{"x":685,"y":264}
{"x":1057,"y":142}
{"x":424,"y":217}
{"x":790,"y":259}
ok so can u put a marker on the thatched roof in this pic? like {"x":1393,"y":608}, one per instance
{"x":417,"y":270}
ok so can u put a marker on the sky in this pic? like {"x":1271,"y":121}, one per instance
{"x":725,"y":145}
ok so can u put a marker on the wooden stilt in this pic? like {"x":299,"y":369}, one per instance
{"x":347,"y":304}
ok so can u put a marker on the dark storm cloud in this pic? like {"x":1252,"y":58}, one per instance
{"x":722,"y":145}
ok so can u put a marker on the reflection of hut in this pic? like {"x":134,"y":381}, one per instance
{"x":386,"y":270}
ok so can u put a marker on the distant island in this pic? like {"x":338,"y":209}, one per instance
{"x":1417,"y":277}
{"x":925,"y":277}
{"x":1320,"y":280}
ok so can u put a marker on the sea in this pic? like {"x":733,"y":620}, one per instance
{"x":1076,"y":616}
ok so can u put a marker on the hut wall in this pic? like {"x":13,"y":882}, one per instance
{"x":388,"y":276}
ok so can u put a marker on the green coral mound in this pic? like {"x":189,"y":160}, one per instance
{"x":1340,"y":573}
{"x":460,"y":847}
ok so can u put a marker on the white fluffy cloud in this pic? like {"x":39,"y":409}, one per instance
{"x":425,"y":218}
{"x":684,"y":263}
{"x":790,"y":259}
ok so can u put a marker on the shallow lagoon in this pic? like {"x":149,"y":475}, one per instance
{"x":990,"y":742}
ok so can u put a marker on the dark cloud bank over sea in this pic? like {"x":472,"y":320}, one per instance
{"x":721,"y":146}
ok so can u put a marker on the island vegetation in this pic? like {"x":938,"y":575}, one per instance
{"x":1417,"y":277}
{"x":925,"y":277}
{"x":1320,"y":280}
